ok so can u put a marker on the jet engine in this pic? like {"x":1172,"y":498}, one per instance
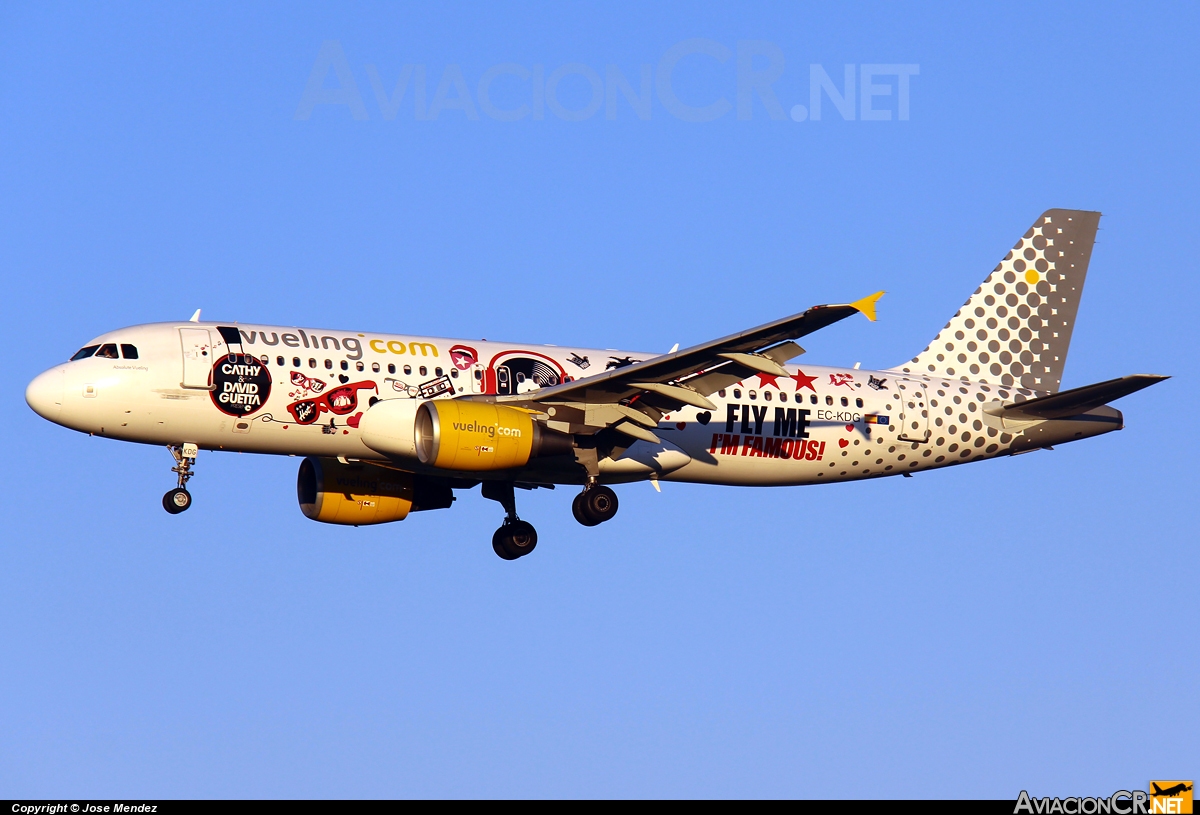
{"x":454,"y":434}
{"x":359,"y":494}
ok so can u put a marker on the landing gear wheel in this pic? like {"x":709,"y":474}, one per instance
{"x":498,"y":545}
{"x":177,"y":500}
{"x":515,"y":539}
{"x":595,"y":506}
{"x":578,"y":511}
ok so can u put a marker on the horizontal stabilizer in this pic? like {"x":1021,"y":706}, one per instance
{"x":1076,"y":400}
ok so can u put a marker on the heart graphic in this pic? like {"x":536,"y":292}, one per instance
{"x":849,"y":428}
{"x":703,"y":418}
{"x":343,"y":378}
{"x":353,"y":420}
{"x":843,"y":443}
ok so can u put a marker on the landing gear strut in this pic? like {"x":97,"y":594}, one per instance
{"x":595,"y":505}
{"x":179,"y":499}
{"x":515,"y":538}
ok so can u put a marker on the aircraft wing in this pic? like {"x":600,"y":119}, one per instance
{"x":634,"y":397}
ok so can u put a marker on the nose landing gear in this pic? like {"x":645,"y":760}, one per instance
{"x":179,"y":499}
{"x":515,"y":538}
{"x":595,"y":505}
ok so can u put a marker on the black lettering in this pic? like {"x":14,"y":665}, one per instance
{"x":731,"y":414}
{"x":759,"y":417}
{"x":785,"y":422}
{"x":802,"y":424}
{"x":746,"y":429}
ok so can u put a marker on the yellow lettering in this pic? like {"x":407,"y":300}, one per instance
{"x":424,"y":348}
{"x":395,"y":346}
{"x":379,"y":350}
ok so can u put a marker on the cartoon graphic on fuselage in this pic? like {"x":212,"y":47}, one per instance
{"x":391,"y":424}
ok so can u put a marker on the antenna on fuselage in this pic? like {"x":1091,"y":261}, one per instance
{"x":195,"y":317}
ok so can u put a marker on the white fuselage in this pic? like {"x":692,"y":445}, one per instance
{"x":292,"y":391}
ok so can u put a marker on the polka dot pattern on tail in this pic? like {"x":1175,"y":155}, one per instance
{"x":1016,"y":328}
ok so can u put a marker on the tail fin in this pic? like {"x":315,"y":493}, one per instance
{"x":1016,"y":327}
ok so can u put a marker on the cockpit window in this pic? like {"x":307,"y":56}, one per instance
{"x":107,"y":351}
{"x":129,"y":351}
{"x":85,"y":352}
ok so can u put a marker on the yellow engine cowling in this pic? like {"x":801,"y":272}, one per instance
{"x":455,"y":434}
{"x":353,"y":494}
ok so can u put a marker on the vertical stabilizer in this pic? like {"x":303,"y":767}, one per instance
{"x":1016,"y":327}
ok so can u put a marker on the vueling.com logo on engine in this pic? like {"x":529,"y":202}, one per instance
{"x":489,"y":430}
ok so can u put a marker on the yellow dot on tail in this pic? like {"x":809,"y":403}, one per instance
{"x":1031,"y":277}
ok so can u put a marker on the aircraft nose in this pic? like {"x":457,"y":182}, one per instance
{"x":45,"y":393}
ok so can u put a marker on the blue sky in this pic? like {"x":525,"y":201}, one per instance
{"x":1016,"y":624}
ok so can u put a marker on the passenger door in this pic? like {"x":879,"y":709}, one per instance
{"x":197,"y":358}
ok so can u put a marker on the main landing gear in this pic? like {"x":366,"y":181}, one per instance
{"x":595,"y":505}
{"x":179,"y":499}
{"x":515,"y":538}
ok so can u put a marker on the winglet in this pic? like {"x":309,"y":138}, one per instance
{"x":195,"y":317}
{"x":867,"y":305}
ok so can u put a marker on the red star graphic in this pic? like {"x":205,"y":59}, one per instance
{"x":803,"y":381}
{"x":767,"y":379}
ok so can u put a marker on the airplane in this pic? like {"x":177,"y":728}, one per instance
{"x":391,"y":424}
{"x":1170,"y":792}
